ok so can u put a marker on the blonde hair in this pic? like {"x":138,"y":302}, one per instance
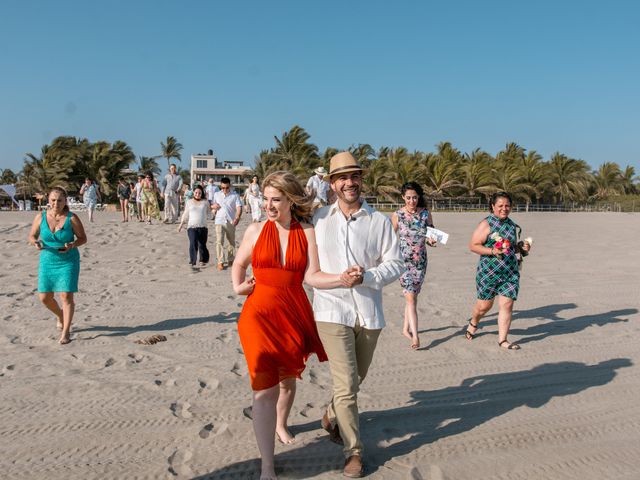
{"x":290,"y":186}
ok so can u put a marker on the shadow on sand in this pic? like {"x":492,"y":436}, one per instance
{"x":163,"y":326}
{"x":555,"y":326}
{"x":433,"y":415}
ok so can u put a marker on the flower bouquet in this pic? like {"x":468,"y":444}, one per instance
{"x":499,"y":243}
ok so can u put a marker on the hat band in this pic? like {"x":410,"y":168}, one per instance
{"x":346,"y":167}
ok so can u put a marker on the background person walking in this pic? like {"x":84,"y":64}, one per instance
{"x":171,"y":186}
{"x":90,"y":196}
{"x":196,"y":213}
{"x":228,"y":207}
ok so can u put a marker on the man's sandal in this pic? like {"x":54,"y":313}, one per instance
{"x":468,"y":335}
{"x":511,"y":346}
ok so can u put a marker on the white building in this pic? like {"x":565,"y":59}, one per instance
{"x":206,"y":166}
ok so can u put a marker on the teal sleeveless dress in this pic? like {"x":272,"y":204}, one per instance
{"x":58,"y":271}
{"x":499,"y":275}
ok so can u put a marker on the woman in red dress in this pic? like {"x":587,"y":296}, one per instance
{"x":276,"y":327}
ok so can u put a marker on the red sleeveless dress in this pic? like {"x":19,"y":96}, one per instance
{"x":276,"y":327}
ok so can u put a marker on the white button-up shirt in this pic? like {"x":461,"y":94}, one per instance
{"x":366,"y":239}
{"x":228,"y":203}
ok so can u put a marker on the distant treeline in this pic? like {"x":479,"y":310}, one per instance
{"x":446,"y":172}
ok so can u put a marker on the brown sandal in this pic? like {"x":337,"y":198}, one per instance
{"x":468,"y":335}
{"x":512,"y":346}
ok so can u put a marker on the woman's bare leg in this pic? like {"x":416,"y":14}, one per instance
{"x":264,"y":426}
{"x":505,"y":313}
{"x":49,"y":301}
{"x":283,"y":408}
{"x":411,"y":317}
{"x":68,"y":308}
{"x":480,"y":308}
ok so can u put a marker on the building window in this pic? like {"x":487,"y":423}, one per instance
{"x":201,"y":164}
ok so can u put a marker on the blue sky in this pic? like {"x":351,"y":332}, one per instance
{"x":549,"y":75}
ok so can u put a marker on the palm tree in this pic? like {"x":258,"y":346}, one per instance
{"x":149,"y":164}
{"x":629,"y":180}
{"x":8,"y":176}
{"x":474,"y":172}
{"x":440,"y":175}
{"x":535,"y":174}
{"x":377,"y":181}
{"x":568,"y":178}
{"x":402,"y":167}
{"x":607,"y":181}
{"x":170,"y":150}
{"x":295,"y":153}
{"x":49,"y":170}
{"x":264,"y":164}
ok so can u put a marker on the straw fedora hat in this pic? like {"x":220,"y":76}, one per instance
{"x":320,"y":171}
{"x":343,"y":162}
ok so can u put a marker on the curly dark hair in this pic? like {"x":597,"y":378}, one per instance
{"x":418,"y":189}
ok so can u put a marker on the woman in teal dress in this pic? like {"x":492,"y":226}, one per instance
{"x":57,"y":233}
{"x":497,"y":274}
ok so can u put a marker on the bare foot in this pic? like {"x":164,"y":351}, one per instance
{"x":407,"y":333}
{"x":268,"y":473}
{"x":284,"y":436}
{"x":59,"y":324}
{"x":64,"y":339}
{"x":415,"y":343}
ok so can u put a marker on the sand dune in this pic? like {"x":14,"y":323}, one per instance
{"x":104,"y":407}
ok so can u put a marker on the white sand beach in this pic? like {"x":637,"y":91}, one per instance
{"x":103,"y":407}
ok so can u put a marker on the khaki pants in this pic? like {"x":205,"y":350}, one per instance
{"x":350,"y":351}
{"x":171,"y":206}
{"x":227,"y":230}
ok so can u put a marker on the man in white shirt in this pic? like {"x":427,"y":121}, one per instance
{"x":228,"y":207}
{"x":171,"y":185}
{"x":349,"y":232}
{"x":318,"y":186}
{"x":211,"y":190}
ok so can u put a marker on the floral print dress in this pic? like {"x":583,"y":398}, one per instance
{"x":412,"y":230}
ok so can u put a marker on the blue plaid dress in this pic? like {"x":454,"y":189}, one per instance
{"x":499,"y":275}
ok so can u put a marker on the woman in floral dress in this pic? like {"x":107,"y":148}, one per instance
{"x":497,"y":274}
{"x":411,"y":223}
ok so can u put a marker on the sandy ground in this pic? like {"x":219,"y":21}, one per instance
{"x":564,"y":407}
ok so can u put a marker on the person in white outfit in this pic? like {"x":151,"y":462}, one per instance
{"x":171,"y":186}
{"x":254,"y":196}
{"x":196,"y":213}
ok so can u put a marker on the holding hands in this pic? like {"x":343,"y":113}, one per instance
{"x":352,"y":276}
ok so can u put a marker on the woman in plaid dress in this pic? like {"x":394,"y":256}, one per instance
{"x":497,"y":273}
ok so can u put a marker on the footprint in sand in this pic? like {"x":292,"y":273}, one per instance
{"x":181,"y":409}
{"x":311,"y":410}
{"x":7,"y":370}
{"x":206,"y":431}
{"x":178,"y":463}
{"x":224,"y":337}
{"x":136,"y":357}
{"x":109,"y":362}
{"x":240,"y":370}
{"x":212,"y":385}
